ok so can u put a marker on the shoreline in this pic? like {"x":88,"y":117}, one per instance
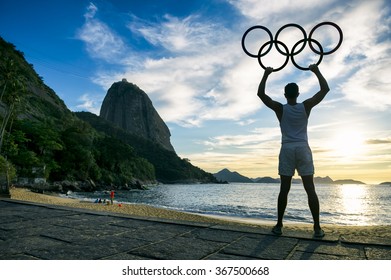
{"x":142,"y":210}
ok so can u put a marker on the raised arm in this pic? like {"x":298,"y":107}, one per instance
{"x":274,"y":105}
{"x":318,"y":97}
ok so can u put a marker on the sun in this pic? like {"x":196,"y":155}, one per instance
{"x":348,"y":144}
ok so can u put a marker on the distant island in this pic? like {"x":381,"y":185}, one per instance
{"x":225,"y":175}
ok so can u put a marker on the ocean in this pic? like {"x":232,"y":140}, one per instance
{"x":361,"y":205}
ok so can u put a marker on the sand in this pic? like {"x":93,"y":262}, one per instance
{"x":139,"y":210}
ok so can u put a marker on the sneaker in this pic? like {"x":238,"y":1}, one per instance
{"x":277,"y":230}
{"x":319,"y":233}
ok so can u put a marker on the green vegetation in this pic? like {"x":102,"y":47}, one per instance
{"x":41,"y":138}
{"x":75,"y":152}
{"x":169,"y":167}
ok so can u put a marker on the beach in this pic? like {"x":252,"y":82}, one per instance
{"x":141,"y":210}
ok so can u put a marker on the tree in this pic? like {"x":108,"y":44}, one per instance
{"x":13,"y":87}
{"x":40,"y":138}
{"x":76,"y":154}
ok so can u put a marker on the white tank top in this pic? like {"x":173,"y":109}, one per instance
{"x":294,"y":123}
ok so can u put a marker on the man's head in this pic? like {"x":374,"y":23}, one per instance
{"x":291,"y":90}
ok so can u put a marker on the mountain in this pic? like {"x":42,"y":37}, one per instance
{"x":317,"y":180}
{"x":226,"y":175}
{"x":267,"y":180}
{"x":347,"y":182}
{"x":43,"y":143}
{"x":270,"y":180}
{"x":130,"y":108}
{"x":323,"y":180}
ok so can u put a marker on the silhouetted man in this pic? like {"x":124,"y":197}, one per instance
{"x":295,"y":153}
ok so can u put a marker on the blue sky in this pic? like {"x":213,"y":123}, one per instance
{"x":187,"y":56}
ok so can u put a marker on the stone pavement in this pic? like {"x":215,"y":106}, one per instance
{"x":30,"y":231}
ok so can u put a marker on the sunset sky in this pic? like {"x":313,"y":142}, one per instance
{"x":187,"y":56}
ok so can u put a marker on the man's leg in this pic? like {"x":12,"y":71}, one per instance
{"x":313,"y":201}
{"x":283,"y":198}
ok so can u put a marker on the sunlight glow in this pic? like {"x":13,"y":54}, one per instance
{"x":352,"y":198}
{"x":348,"y":144}
{"x":354,"y":202}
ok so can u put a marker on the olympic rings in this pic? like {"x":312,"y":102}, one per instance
{"x":293,"y":25}
{"x":271,"y":44}
{"x":340,"y":37}
{"x":309,"y":40}
{"x":293,"y":52}
{"x":249,"y":30}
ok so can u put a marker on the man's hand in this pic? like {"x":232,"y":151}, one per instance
{"x":268,"y":70}
{"x":313,"y":67}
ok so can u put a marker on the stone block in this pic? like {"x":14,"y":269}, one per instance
{"x":264,"y":247}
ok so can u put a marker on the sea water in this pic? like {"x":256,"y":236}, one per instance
{"x":339,"y":204}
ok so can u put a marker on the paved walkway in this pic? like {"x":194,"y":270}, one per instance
{"x":34,"y":231}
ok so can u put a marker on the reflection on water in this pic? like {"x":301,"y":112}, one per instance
{"x":354,"y":200}
{"x":339,"y":204}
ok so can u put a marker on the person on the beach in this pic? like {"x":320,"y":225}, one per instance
{"x":111,"y":197}
{"x":295,"y":153}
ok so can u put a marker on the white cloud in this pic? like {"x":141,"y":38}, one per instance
{"x":179,"y":35}
{"x":246,"y":122}
{"x":91,"y":11}
{"x":266,"y":12}
{"x":367,"y":87}
{"x":101,"y":41}
{"x":254,"y":139}
{"x":367,"y":55}
{"x":187,"y":86}
{"x":204,"y":77}
{"x":90,"y":103}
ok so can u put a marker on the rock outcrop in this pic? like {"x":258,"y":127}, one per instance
{"x":130,"y":108}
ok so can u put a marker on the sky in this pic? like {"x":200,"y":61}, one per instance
{"x":187,"y":56}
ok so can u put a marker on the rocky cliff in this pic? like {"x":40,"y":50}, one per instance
{"x":130,"y":108}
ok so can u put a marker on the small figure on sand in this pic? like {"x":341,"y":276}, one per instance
{"x":111,"y":197}
{"x":295,"y":153}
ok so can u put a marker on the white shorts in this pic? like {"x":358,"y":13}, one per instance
{"x":295,"y":156}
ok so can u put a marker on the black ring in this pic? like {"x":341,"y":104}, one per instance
{"x":271,"y":44}
{"x":250,"y":29}
{"x":293,"y":53}
{"x":320,"y":53}
{"x":291,"y":25}
{"x":326,"y":23}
